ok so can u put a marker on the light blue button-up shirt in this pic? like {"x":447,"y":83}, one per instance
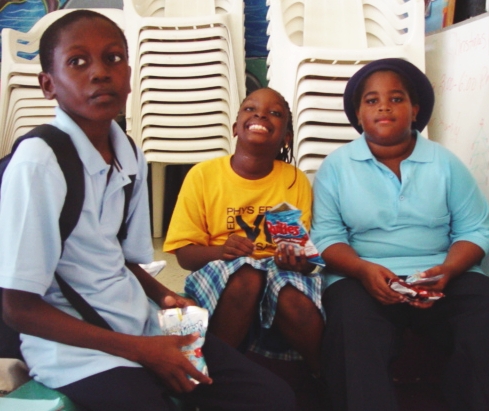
{"x":32,"y":195}
{"x":407,"y":225}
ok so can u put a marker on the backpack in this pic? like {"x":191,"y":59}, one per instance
{"x":72,"y":168}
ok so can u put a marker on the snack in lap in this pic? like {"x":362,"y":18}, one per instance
{"x":184,"y":321}
{"x":414,"y":292}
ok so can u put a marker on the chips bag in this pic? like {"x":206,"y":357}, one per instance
{"x":285,"y":226}
{"x":184,"y":321}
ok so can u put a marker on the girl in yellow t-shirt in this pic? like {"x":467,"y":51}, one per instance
{"x":258,"y":296}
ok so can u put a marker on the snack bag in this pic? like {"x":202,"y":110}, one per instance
{"x":184,"y":321}
{"x":413,"y":291}
{"x":285,"y":226}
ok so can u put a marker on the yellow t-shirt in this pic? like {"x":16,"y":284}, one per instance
{"x":214,"y":202}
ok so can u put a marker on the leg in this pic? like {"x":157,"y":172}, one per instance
{"x":461,"y":321}
{"x":300,"y":322}
{"x":121,"y":389}
{"x":239,"y":384}
{"x":359,"y":344}
{"x":238,"y":305}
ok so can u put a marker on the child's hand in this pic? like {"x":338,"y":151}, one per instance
{"x":176,"y":301}
{"x":434,"y":287}
{"x":286,"y":260}
{"x":375,"y":279}
{"x":163,"y":356}
{"x":237,"y":246}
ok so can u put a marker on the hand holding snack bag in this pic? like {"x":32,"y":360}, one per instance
{"x":285,"y":226}
{"x":413,"y":289}
{"x":184,"y":321}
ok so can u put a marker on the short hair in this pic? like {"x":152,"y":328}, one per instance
{"x":51,"y":36}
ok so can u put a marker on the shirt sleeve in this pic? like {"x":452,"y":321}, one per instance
{"x":304,"y":201}
{"x":328,"y":227}
{"x":468,"y":207}
{"x":188,"y":223}
{"x":32,"y":195}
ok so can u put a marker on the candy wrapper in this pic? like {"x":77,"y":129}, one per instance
{"x":184,"y":321}
{"x":414,"y":290}
{"x":285,"y":226}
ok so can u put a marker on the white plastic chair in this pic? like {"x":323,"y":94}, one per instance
{"x":311,"y":65}
{"x":188,"y":79}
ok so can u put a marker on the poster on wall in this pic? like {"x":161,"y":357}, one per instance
{"x":23,"y":14}
{"x":438,"y":14}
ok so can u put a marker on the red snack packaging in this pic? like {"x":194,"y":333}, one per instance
{"x":414,"y":292}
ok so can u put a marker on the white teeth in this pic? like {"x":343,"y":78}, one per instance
{"x":258,"y":127}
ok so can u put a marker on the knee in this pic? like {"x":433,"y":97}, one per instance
{"x":295,"y":306}
{"x":246,"y":283}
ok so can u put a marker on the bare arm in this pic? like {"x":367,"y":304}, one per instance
{"x":461,"y":256}
{"x":342,"y":258}
{"x":160,"y":294}
{"x":193,"y":257}
{"x":28,"y":313}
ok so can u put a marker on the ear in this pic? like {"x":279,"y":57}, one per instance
{"x":235,"y":128}
{"x":415,"y":112}
{"x":47,"y":85}
{"x":357,"y":112}
{"x":288,"y":138}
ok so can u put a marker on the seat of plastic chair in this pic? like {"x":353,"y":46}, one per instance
{"x":185,"y":33}
{"x":166,"y":70}
{"x":198,"y":108}
{"x":285,"y":57}
{"x":158,"y":46}
{"x":184,"y":121}
{"x":187,"y":96}
{"x":326,"y":131}
{"x":323,"y":116}
{"x":186,"y":132}
{"x":185,"y":8}
{"x":334,"y":24}
{"x":184,"y":145}
{"x":319,"y":101}
{"x":34,"y":390}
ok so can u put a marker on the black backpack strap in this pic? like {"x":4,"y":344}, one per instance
{"x":88,"y":313}
{"x":72,"y":168}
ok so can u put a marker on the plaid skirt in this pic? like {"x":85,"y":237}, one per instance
{"x":206,"y":285}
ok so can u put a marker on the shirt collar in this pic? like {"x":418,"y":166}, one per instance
{"x":423,"y":150}
{"x":90,"y":157}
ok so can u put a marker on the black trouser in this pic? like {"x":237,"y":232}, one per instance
{"x":238,"y":385}
{"x":362,"y":337}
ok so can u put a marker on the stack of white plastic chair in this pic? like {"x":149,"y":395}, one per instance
{"x":315,"y":46}
{"x":22,"y":103}
{"x":188,"y":80}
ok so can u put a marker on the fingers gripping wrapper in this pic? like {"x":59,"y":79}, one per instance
{"x":414,"y":291}
{"x":285,"y":226}
{"x":184,"y":321}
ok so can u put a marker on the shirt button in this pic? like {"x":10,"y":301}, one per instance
{"x":102,"y":172}
{"x":401,"y":198}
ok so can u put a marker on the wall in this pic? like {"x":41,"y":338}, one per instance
{"x":457,"y":62}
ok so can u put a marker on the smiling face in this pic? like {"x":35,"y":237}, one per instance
{"x":90,"y":75}
{"x":263,"y":120}
{"x":385,"y":111}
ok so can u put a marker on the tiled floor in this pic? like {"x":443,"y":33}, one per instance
{"x":172,"y":276}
